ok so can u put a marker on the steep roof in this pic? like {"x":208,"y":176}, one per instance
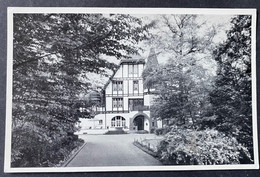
{"x":133,"y":60}
{"x":152,"y":59}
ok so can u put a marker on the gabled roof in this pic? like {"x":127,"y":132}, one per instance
{"x":133,"y":61}
{"x":110,"y":78}
{"x":128,"y":61}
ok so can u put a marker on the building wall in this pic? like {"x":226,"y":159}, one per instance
{"x":109,"y":88}
{"x":146,"y":125}
{"x":127,"y":91}
{"x":86,"y":124}
{"x":149,"y":99}
{"x":129,"y":117}
{"x":103,"y":121}
{"x":108,"y":103}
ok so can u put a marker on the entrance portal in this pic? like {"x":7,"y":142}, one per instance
{"x":139,"y":122}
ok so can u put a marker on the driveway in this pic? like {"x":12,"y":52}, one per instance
{"x":112,"y":150}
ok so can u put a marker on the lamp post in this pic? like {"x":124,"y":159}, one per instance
{"x":104,"y":103}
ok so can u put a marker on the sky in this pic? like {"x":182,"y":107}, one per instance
{"x":221,"y":22}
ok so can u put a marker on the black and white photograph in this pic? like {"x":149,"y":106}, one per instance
{"x":130,"y":89}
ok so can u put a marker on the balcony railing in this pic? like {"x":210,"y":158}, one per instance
{"x":139,"y":108}
{"x":110,"y":112}
{"x":124,"y":94}
{"x":134,"y":108}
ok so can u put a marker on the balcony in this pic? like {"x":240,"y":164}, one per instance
{"x":110,"y":112}
{"x":139,"y":108}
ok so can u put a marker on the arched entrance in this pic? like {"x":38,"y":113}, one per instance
{"x":139,"y":122}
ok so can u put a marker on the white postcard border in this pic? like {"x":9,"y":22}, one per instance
{"x":202,"y":11}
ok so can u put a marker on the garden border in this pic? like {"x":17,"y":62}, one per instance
{"x":73,"y":155}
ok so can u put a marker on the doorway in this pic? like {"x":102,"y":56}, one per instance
{"x":139,"y":122}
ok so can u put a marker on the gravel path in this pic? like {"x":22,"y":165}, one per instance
{"x":112,"y":150}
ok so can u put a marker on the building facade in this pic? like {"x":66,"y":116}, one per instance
{"x":127,"y":105}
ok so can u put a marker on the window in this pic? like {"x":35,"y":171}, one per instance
{"x":133,"y":69}
{"x":120,"y":102}
{"x":130,"y":69}
{"x":113,"y":124}
{"x":114,"y":86}
{"x":136,"y":104}
{"x":135,"y":85}
{"x":123,"y":122}
{"x":117,"y":85}
{"x":100,"y":122}
{"x":117,"y":102}
{"x":118,"y":121}
{"x":114,"y":103}
{"x":120,"y":85}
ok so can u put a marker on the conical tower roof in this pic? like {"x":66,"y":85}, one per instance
{"x":152,"y":59}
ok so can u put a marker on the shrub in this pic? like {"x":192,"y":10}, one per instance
{"x":142,"y":131}
{"x":207,"y":147}
{"x":152,"y":130}
{"x":207,"y":122}
{"x":35,"y":151}
{"x":158,"y":131}
{"x":162,"y":131}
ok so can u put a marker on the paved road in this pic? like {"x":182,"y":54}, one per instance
{"x":112,"y":150}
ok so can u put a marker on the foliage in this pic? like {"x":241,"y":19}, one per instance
{"x":231,"y":97}
{"x":162,"y":131}
{"x":44,"y":154}
{"x":183,"y":82}
{"x":207,"y":147}
{"x":207,"y":122}
{"x":52,"y":55}
{"x":142,"y":132}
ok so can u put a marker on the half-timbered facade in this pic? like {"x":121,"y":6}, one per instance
{"x":125,"y":99}
{"x":125,"y":103}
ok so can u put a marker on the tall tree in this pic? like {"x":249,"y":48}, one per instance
{"x":182,"y":80}
{"x":52,"y":55}
{"x":231,"y":96}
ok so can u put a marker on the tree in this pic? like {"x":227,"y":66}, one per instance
{"x":231,"y":97}
{"x":182,"y":81}
{"x":52,"y":55}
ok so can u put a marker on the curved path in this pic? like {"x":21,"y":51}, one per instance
{"x":112,"y":150}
